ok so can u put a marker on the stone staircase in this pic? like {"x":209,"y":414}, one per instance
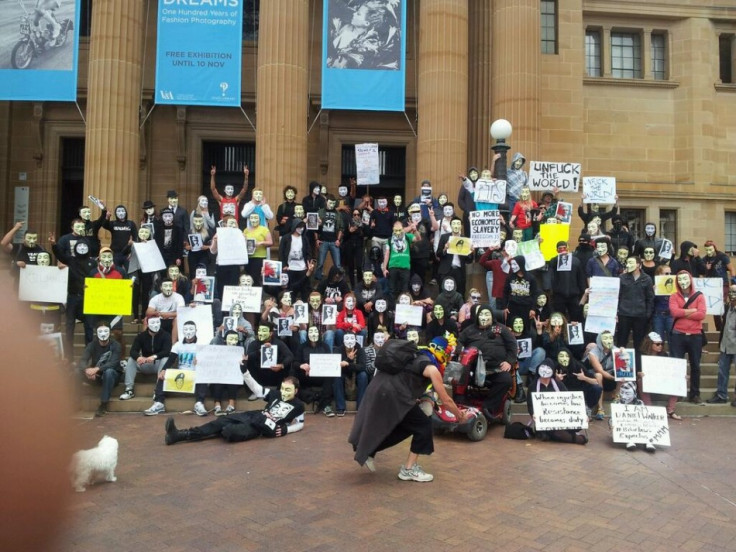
{"x":88,"y":398}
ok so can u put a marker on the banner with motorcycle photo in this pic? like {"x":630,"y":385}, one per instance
{"x":39,"y":49}
{"x":364,"y":54}
{"x":198,"y":53}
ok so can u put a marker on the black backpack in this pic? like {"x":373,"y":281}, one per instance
{"x":395,"y":355}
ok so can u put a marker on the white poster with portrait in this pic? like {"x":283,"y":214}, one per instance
{"x":201,"y":315}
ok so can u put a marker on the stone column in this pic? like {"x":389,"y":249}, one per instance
{"x":515,"y":67}
{"x":111,"y":164}
{"x":281,"y":95}
{"x":479,"y":91}
{"x":442,"y":142}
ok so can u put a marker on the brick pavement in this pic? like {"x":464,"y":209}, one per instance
{"x":304,"y":492}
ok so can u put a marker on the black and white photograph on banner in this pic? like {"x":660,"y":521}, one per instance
{"x":37,"y":34}
{"x":575,"y":334}
{"x":364,"y":34}
{"x":269,"y":356}
{"x":284,"y":328}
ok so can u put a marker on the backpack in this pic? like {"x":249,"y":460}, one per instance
{"x":395,"y":355}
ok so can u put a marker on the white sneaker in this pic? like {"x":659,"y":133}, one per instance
{"x":199,"y":409}
{"x":156,"y":408}
{"x":218,"y":411}
{"x":229,"y":410}
{"x":415,"y":473}
{"x":370,"y":464}
{"x":129,"y":394}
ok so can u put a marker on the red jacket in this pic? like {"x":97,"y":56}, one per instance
{"x":348,"y":323}
{"x":692,"y":324}
{"x":499,"y":276}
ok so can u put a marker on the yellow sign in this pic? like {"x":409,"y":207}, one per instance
{"x":179,"y":381}
{"x":551,"y":234}
{"x":457,"y":245}
{"x":108,"y":296}
{"x":664,"y":284}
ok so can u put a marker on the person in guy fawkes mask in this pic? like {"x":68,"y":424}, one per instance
{"x":602,"y":264}
{"x":650,"y":239}
{"x":100,"y":363}
{"x":122,"y":231}
{"x":80,"y":266}
{"x":498,"y":346}
{"x":169,"y":238}
{"x":229,"y":202}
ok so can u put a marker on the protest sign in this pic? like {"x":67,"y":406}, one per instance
{"x":458,"y":245}
{"x":602,"y":304}
{"x":485,"y":228}
{"x":559,"y":410}
{"x":249,"y":298}
{"x":366,"y":164}
{"x":640,"y":424}
{"x":563,"y":213}
{"x":664,"y":284}
{"x":146,"y":257}
{"x":409,"y":314}
{"x":55,"y":342}
{"x":564,"y":262}
{"x":45,"y":284}
{"x":545,"y":176}
{"x":665,"y":251}
{"x":524,"y":347}
{"x":301,"y":315}
{"x":329,"y":315}
{"x":179,"y":381}
{"x":510,"y":247}
{"x":195,"y":241}
{"x":532,"y":255}
{"x":201,"y":316}
{"x":550,"y":234}
{"x":324,"y":366}
{"x":599,"y":189}
{"x":490,"y":191}
{"x":219,"y":364}
{"x":312,"y":221}
{"x":624,"y":365}
{"x":271,"y":273}
{"x":284,"y":326}
{"x":575,"y":333}
{"x":187,"y":354}
{"x":712,"y":288}
{"x":599,"y":324}
{"x":108,"y":296}
{"x":269,"y":355}
{"x":664,"y":375}
{"x":231,"y":247}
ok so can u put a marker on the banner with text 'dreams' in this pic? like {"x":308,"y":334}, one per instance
{"x":198,"y":54}
{"x":364,"y":54}
{"x":35,"y":64}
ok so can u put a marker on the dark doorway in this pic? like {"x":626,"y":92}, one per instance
{"x":229,"y":158}
{"x":392,"y":161}
{"x":72,"y":182}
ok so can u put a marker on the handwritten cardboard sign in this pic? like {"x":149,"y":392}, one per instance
{"x":640,"y":424}
{"x":559,"y":410}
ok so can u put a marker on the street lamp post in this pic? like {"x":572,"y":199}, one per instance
{"x":500,"y":132}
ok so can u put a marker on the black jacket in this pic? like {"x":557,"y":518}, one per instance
{"x":636,"y":297}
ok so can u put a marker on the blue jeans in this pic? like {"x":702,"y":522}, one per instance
{"x":338,"y":388}
{"x":328,"y":337}
{"x":662,"y":324}
{"x":530,"y":365}
{"x":724,"y":370}
{"x":489,"y":287}
{"x":323,"y":248}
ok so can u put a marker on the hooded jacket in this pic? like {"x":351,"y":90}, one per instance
{"x":465,"y":197}
{"x":121,"y":231}
{"x":450,"y":300}
{"x":496,"y":343}
{"x":692,"y":324}
{"x":520,"y":289}
{"x":694,"y":265}
{"x":619,"y":236}
{"x":572,"y":383}
{"x":654,"y":242}
{"x":286,"y":241}
{"x":605,"y":358}
{"x":516,"y":179}
{"x":588,"y":214}
{"x":567,"y":283}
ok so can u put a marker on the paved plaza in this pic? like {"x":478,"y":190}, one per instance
{"x":305,"y":492}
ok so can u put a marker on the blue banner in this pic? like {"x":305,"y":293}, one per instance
{"x":364,"y":54}
{"x":198,"y":53}
{"x":38,"y":51}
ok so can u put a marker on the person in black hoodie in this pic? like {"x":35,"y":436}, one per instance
{"x":635,"y":305}
{"x":367,"y":291}
{"x":689,"y":260}
{"x":148,"y":354}
{"x":295,"y":254}
{"x":520,"y":290}
{"x":334,"y":287}
{"x":620,"y":236}
{"x":79,"y":266}
{"x":650,"y":239}
{"x":301,"y":367}
{"x":121,"y":231}
{"x":285,"y":212}
{"x":585,"y":249}
{"x":498,"y":347}
{"x":440,"y":324}
{"x":100,"y":363}
{"x":169,"y":238}
{"x":576,"y":378}
{"x":568,"y":285}
{"x":273,"y":376}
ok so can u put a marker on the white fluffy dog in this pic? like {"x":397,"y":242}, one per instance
{"x":96,"y":464}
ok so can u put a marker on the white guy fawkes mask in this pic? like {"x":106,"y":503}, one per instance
{"x":563,"y":357}
{"x":541,"y":300}
{"x":416,"y":218}
{"x":649,"y":230}
{"x":592,"y":228}
{"x":198,"y":223}
{"x":684,"y":281}
{"x":144,"y":234}
{"x":286,"y":299}
{"x":607,"y":340}
{"x":264,"y":333}
{"x":168,"y":219}
{"x":404,"y":300}
{"x":288,"y":391}
{"x":442,"y":199}
{"x":46,"y":328}
{"x":348,"y":340}
{"x":313,"y":334}
{"x":485,"y":317}
{"x":31,"y":240}
{"x":342,"y":191}
{"x":103,"y":333}
{"x":545,"y":370}
{"x":710,"y":251}
{"x":190,"y":331}
{"x":173,"y":203}
{"x":349,"y":303}
{"x":382,"y":203}
{"x":473,"y":175}
{"x":106,"y":259}
{"x":517,"y":235}
{"x":627,"y":393}
{"x":525,"y":194}
{"x":367,"y":278}
{"x":448,"y":285}
{"x":245,"y":280}
{"x":315,"y":302}
{"x":456,"y":226}
{"x":121,"y":213}
{"x":81,"y":249}
{"x":85,"y":213}
{"x":317,"y":190}
{"x":79,"y":228}
{"x":631,"y":265}
{"x":174,"y":272}
{"x":416,"y":288}
{"x":232,"y":223}
{"x":331,"y":203}
{"x":231,"y":340}
{"x":255,"y":220}
{"x":258,"y":195}
{"x":601,"y":249}
{"x":150,"y":211}
{"x":518,"y":325}
{"x":439,"y":312}
{"x":236,"y":311}
{"x":448,"y":211}
{"x":299,"y":211}
{"x":514,"y":266}
{"x":649,"y":254}
{"x":43,"y":259}
{"x":229,"y":190}
{"x":379,"y":338}
{"x":154,"y":324}
{"x":290,"y":195}
{"x":167,"y":288}
{"x":555,"y":320}
{"x":380,"y":305}
{"x":203,"y":203}
{"x":412,"y":335}
{"x":621,"y":255}
{"x":397,"y":200}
